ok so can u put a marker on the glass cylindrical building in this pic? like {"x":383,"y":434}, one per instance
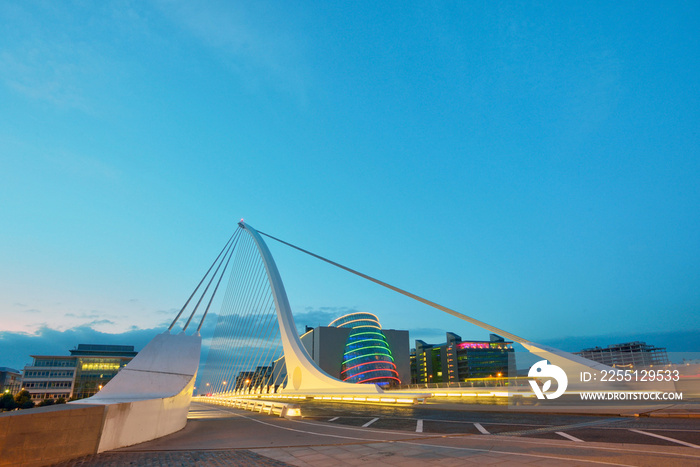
{"x":367,"y":357}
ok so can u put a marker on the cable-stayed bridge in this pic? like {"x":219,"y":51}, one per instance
{"x":256,"y":352}
{"x":256,"y":346}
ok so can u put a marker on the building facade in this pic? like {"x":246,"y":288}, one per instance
{"x":627,"y":355}
{"x":10,"y":381}
{"x":458,"y":361}
{"x":80,"y":375}
{"x":331,"y":348}
{"x":367,"y":356}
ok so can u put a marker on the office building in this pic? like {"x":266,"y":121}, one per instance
{"x":627,"y":355}
{"x":82,"y":374}
{"x":355,"y":348}
{"x":10,"y":380}
{"x":459,"y":361}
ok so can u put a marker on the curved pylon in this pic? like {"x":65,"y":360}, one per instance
{"x":303,"y":375}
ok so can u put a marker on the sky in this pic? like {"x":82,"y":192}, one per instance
{"x":531,"y":164}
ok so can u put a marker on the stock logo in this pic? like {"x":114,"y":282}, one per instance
{"x":541,"y":370}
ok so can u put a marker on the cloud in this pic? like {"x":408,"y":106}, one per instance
{"x":320,"y":316}
{"x":45,"y":70}
{"x":251,"y":40}
{"x":172,"y":311}
{"x":92,"y":315}
{"x":427,"y":334}
{"x":674,"y":341}
{"x":98,"y":322}
{"x":32,"y":310}
{"x":246,"y":326}
{"x":16,"y":347}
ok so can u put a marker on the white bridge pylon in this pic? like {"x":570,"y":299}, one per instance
{"x":303,"y":375}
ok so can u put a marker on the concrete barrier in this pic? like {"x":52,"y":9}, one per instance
{"x":281,"y":409}
{"x":47,"y":435}
{"x":150,"y":397}
{"x":147,"y":399}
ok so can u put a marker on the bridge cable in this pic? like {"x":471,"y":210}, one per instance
{"x":425,"y":301}
{"x":230,"y":249}
{"x":248,"y":301}
{"x":248,"y":312}
{"x":244,"y":302}
{"x":213,"y":294}
{"x":200,"y":282}
{"x":222,"y":332}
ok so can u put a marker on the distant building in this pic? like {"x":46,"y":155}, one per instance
{"x":243,"y":380}
{"x":10,"y":380}
{"x":458,"y":361}
{"x":627,"y":355}
{"x":354,"y":348}
{"x":80,"y":375}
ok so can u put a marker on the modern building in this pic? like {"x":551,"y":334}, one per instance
{"x":354,"y":348}
{"x":627,"y":355}
{"x":80,"y":375}
{"x":459,"y":361}
{"x":243,"y":380}
{"x":10,"y":380}
{"x":367,"y":356}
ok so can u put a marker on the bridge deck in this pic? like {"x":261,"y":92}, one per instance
{"x":222,"y":436}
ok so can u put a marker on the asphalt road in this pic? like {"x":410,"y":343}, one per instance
{"x":339,"y":434}
{"x":580,"y":428}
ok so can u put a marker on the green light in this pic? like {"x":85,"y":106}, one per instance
{"x":365,"y":340}
{"x":369,"y":332}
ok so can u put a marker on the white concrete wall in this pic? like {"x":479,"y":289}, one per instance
{"x":128,"y":423}
{"x":150,"y":397}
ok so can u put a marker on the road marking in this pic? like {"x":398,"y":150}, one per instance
{"x":419,"y":426}
{"x":550,"y":429}
{"x":369,"y":422}
{"x":333,"y":419}
{"x":235,"y":413}
{"x":666,"y":438}
{"x":483,"y":430}
{"x":568,"y":436}
{"x":511,"y":453}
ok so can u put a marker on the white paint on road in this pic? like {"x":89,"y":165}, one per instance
{"x":481,"y":429}
{"x":691,"y":445}
{"x":370,"y":422}
{"x":419,"y":426}
{"x":333,"y":419}
{"x":568,"y":436}
{"x":569,"y":460}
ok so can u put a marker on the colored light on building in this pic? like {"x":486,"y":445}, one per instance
{"x":367,"y":357}
{"x":474,"y":345}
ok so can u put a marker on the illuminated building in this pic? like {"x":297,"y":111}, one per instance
{"x":10,"y":381}
{"x":367,"y":357}
{"x":80,"y":375}
{"x":460,"y":361}
{"x":243,"y":380}
{"x":327,"y":347}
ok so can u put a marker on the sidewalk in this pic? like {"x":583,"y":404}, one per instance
{"x":683,"y":410}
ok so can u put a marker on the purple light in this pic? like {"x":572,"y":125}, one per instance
{"x":473,"y":345}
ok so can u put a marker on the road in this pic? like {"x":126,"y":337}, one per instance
{"x":366,"y":435}
{"x":581,"y":428}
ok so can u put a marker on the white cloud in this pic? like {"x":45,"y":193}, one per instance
{"x":247,"y":39}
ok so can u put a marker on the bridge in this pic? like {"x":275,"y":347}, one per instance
{"x":256,"y":361}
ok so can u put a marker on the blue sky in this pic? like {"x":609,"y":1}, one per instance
{"x":534,"y":165}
